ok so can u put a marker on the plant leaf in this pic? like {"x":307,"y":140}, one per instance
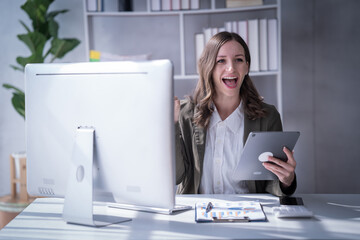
{"x":53,"y":28}
{"x":53,"y":14}
{"x":36,"y":43}
{"x":25,"y":26}
{"x":36,"y":10}
{"x":16,"y":68}
{"x":52,"y":24}
{"x":60,"y":47}
{"x":18,"y":99}
{"x":34,"y":40}
{"x":9,"y":86}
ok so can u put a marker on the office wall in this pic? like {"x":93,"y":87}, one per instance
{"x":320,"y":43}
{"x":337,"y":98}
{"x":320,"y":55}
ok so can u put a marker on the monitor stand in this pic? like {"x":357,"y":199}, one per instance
{"x":78,"y":205}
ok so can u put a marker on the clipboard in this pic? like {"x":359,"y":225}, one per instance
{"x":229,"y":211}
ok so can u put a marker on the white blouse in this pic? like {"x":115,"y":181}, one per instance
{"x":224,"y":144}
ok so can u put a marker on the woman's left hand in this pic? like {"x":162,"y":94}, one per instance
{"x":285,"y":171}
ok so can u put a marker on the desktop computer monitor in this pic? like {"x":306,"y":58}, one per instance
{"x":128,"y":108}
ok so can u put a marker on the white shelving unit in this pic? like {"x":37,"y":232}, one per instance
{"x":183,"y":24}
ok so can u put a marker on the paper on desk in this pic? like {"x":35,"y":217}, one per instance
{"x":229,"y":210}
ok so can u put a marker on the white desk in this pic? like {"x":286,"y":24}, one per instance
{"x":336,"y":217}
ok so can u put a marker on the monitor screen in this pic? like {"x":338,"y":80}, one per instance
{"x":129,"y":105}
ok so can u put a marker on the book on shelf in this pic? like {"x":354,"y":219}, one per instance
{"x":243,"y":3}
{"x":263,"y":45}
{"x":208,"y":33}
{"x":124,"y":5}
{"x":166,"y":5}
{"x":273,"y":45}
{"x":234,"y":26}
{"x":95,"y":5}
{"x":253,"y":44}
{"x":194,"y":4}
{"x":109,"y":5}
{"x":228,"y":26}
{"x":91,"y":5}
{"x":243,"y":30}
{"x":155,"y":5}
{"x":185,"y":4}
{"x":214,"y":31}
{"x":229,"y":211}
{"x":199,"y":45}
{"x":176,"y":5}
{"x":239,"y":27}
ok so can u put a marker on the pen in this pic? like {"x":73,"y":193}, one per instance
{"x":230,"y":219}
{"x":209,"y":207}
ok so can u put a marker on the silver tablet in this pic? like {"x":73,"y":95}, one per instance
{"x":258,"y":147}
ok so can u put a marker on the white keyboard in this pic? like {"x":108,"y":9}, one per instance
{"x":292,"y":211}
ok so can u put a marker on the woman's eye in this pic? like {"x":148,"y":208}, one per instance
{"x":220,"y":61}
{"x":239,"y":60}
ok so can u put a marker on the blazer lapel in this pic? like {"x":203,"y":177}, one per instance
{"x":199,"y":139}
{"x":250,"y":126}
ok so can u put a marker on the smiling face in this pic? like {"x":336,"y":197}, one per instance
{"x":229,"y":71}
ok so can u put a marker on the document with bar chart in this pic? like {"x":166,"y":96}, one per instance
{"x":229,"y":211}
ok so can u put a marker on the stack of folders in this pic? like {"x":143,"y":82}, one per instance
{"x":174,"y":5}
{"x":229,"y":211}
{"x":243,"y":3}
{"x":260,"y":35}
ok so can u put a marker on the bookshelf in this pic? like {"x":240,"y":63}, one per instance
{"x":171,"y":35}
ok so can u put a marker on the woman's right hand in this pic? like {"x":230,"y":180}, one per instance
{"x":176,"y":109}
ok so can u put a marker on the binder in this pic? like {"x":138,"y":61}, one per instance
{"x":273,"y":45}
{"x":263,"y":46}
{"x":155,"y":5}
{"x":243,"y":30}
{"x":199,"y":45}
{"x":253,"y":43}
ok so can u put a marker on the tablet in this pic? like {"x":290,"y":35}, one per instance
{"x":258,"y":147}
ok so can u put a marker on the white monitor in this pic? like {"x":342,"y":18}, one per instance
{"x":128,"y":108}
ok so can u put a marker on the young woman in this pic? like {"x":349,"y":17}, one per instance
{"x":213,"y":125}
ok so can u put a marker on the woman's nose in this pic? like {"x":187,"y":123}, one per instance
{"x":229,"y":68}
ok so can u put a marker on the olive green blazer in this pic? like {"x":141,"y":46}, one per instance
{"x":190,"y":150}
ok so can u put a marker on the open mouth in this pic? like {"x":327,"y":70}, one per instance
{"x":230,"y":82}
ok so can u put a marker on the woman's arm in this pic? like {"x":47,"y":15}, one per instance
{"x":179,"y":156}
{"x":286,"y":185}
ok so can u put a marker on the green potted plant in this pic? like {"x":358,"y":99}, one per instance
{"x":44,"y":32}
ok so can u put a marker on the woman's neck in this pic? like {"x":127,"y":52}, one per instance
{"x":226,"y":106}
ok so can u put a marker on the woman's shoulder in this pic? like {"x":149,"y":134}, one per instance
{"x":268,"y":107}
{"x":270,"y":110}
{"x":272,"y":120}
